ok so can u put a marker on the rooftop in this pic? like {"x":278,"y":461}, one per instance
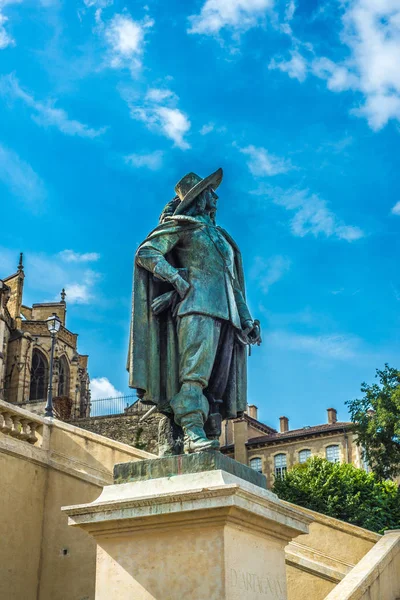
{"x":259,"y":425}
{"x":302,"y":432}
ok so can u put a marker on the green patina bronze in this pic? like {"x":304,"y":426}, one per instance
{"x":170,"y":466}
{"x":191,"y":326}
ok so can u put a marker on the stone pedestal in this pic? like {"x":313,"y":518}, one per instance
{"x":189,"y":527}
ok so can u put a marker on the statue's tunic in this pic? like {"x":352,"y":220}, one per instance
{"x":208,"y":258}
{"x":185,"y":348}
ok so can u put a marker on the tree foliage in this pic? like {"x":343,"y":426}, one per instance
{"x":376,"y":419}
{"x":342,"y":491}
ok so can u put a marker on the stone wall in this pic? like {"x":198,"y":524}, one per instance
{"x":316,"y":562}
{"x":46,"y":464}
{"x":126,"y":429}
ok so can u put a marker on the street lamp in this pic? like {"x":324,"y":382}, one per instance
{"x":53,"y":325}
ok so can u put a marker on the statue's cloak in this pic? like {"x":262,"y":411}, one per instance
{"x":153,"y":359}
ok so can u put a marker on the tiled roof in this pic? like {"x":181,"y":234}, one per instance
{"x":303,"y":432}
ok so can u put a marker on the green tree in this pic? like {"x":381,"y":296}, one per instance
{"x":376,"y":419}
{"x":342,"y":491}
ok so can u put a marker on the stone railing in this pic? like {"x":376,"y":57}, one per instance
{"x":20,"y":424}
{"x":376,"y":576}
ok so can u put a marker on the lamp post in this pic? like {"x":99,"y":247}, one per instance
{"x":53,"y":325}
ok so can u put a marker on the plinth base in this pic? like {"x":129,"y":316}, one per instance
{"x":185,"y":464}
{"x":207,"y":535}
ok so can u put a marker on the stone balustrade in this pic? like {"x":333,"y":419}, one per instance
{"x":20,"y":424}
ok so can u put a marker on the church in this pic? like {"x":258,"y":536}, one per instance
{"x":25,"y":344}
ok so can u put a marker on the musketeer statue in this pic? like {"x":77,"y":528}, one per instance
{"x":191,"y":327}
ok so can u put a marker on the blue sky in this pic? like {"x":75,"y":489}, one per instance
{"x":105,"y":105}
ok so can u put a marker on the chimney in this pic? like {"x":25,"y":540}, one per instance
{"x":252,"y":411}
{"x":332,"y":415}
{"x":283,"y":424}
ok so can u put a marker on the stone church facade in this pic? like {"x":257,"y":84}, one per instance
{"x":25,"y":344}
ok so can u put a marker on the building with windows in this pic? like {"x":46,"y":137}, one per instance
{"x":273,"y":452}
{"x":25,"y":344}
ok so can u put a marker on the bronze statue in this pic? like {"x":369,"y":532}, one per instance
{"x":191,"y":326}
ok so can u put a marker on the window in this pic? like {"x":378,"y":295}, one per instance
{"x":280,"y":465}
{"x":304,"y":455}
{"x":39,"y":376}
{"x":63,"y":377}
{"x":332,"y":454}
{"x":256,"y":464}
{"x":365,"y":464}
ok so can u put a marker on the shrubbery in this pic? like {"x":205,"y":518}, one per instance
{"x":344,"y":492}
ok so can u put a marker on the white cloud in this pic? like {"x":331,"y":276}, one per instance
{"x":81,"y":292}
{"x":208,"y":128}
{"x":290,"y":10}
{"x":174,"y":124}
{"x":101,"y":387}
{"x":152,"y":161}
{"x":336,"y":346}
{"x":396,"y":209}
{"x":160,"y":95}
{"x":160,"y":113}
{"x":338,"y":77}
{"x":71,"y":256}
{"x":98,"y":3}
{"x":46,"y":114}
{"x":372,"y":32}
{"x":312,"y":215}
{"x":125,"y":39}
{"x":20,"y":178}
{"x":5,"y":38}
{"x":171,"y":122}
{"x":266,"y":272}
{"x":46,"y":275}
{"x":371,"y":38}
{"x":296,"y":67}
{"x":77,"y":293}
{"x":337,"y":147}
{"x":379,"y":109}
{"x":239,"y":15}
{"x":261,"y":163}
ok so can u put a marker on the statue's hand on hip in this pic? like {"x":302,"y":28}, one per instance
{"x":181,"y":285}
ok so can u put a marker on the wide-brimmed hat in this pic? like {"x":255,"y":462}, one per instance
{"x":191,"y":185}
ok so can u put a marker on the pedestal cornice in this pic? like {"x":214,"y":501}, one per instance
{"x":172,"y":502}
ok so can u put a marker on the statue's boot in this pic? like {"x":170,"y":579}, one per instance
{"x":191,"y":409}
{"x":195,"y":439}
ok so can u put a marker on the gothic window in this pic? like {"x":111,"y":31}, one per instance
{"x":39,"y":376}
{"x":256,"y":464}
{"x":63,"y":377}
{"x":280,"y":465}
{"x":332,"y":453}
{"x":304,"y":455}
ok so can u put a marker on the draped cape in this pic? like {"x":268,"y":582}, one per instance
{"x":153,"y":359}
